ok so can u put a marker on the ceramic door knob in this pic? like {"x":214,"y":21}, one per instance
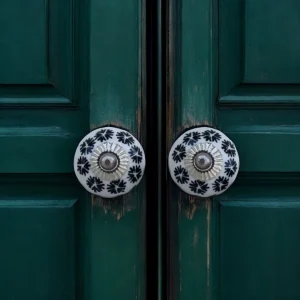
{"x":203,"y":162}
{"x":109,"y":162}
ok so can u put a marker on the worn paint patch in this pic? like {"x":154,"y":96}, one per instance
{"x":208,"y":245}
{"x":139,"y":122}
{"x":180,"y":272}
{"x":192,"y":205}
{"x":195,"y":237}
{"x":116,"y":207}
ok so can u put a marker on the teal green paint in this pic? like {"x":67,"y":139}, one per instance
{"x":37,"y":204}
{"x":48,"y":40}
{"x":259,"y":256}
{"x":196,"y":62}
{"x":259,"y":131}
{"x":117,"y":251}
{"x":91,"y":248}
{"x":265,"y":94}
{"x":37,"y":245}
{"x":270,"y":57}
{"x":23,"y":29}
{"x":47,"y":136}
{"x":273,"y":55}
{"x":231,"y":38}
{"x":242,"y":244}
{"x":41,"y":236}
{"x":257,"y":244}
{"x":60,"y":40}
{"x":192,"y":72}
{"x":115,"y":63}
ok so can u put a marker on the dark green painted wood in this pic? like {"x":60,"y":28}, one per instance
{"x":116,"y":84}
{"x":48,"y":137}
{"x":23,"y":30}
{"x":263,"y":94}
{"x":42,"y":229}
{"x":272,"y":56}
{"x":231,"y":60}
{"x":257,"y":243}
{"x":60,"y":41}
{"x":40,"y":52}
{"x":262,"y":137}
{"x":254,"y":61}
{"x":37,"y":245}
{"x":31,"y":95}
{"x":244,"y":243}
{"x":191,"y":69}
{"x":257,"y":236}
{"x":57,"y":241}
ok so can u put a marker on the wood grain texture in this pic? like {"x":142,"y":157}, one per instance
{"x":192,"y":87}
{"x":241,"y":244}
{"x":117,"y":254}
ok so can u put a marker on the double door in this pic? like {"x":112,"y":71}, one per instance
{"x":154,"y":68}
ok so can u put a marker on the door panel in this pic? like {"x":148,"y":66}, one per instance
{"x":66,"y":68}
{"x":117,"y":97}
{"x":258,"y":231}
{"x":192,"y":71}
{"x":234,"y":65}
{"x":23,"y":47}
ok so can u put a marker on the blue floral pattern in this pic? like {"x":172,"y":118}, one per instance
{"x":125,"y":138}
{"x":199,"y":187}
{"x":136,"y":154}
{"x":230,"y":167}
{"x":129,"y":168}
{"x":179,"y":153}
{"x":116,"y":186}
{"x":181,"y":174}
{"x":87,"y":146}
{"x":191,"y":138}
{"x":83,"y":165}
{"x":222,"y":167}
{"x":134,"y":174}
{"x":211,"y":136}
{"x":95,"y":184}
{"x":220,"y":184}
{"x":228,"y":148}
{"x":104,"y":135}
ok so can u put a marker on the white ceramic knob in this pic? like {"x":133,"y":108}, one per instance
{"x":109,"y":162}
{"x":203,"y":162}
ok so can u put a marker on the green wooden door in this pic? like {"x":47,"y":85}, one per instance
{"x":235,"y":64}
{"x":67,"y":67}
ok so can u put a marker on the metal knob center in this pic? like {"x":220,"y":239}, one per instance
{"x":203,"y":161}
{"x":108,"y":161}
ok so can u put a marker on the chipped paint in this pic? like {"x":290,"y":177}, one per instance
{"x":191,"y":208}
{"x":195,"y":237}
{"x":192,"y":205}
{"x":139,"y":122}
{"x":180,"y":273}
{"x":116,"y":207}
{"x":208,"y":239}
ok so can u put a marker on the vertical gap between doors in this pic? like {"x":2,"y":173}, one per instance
{"x":156,"y":156}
